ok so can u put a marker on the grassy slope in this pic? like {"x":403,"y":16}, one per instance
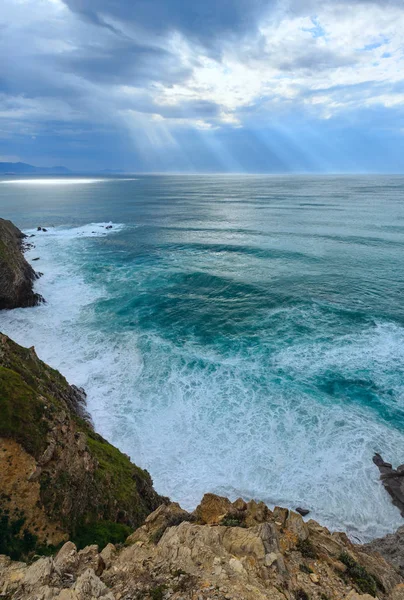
{"x":32,"y":398}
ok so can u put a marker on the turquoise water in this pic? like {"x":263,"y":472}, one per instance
{"x":236,"y":334}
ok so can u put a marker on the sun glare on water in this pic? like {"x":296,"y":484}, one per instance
{"x":58,"y":181}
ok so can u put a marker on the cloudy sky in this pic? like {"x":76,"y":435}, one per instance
{"x":203,"y":85}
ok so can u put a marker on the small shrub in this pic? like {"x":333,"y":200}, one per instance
{"x":101,"y":533}
{"x":15,"y":541}
{"x":157,"y":593}
{"x":178,"y":573}
{"x":363,"y":580}
{"x":306,"y":549}
{"x":232,"y":521}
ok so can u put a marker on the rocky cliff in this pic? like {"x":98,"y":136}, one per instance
{"x":58,"y":478}
{"x":223,"y":551}
{"x":16,"y":275}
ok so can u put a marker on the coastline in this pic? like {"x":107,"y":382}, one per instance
{"x":256,"y":552}
{"x":76,"y":361}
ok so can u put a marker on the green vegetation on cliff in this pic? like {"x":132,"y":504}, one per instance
{"x":22,"y":413}
{"x":87,"y":487}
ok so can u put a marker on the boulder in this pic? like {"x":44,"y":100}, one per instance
{"x":212,"y":509}
{"x":166,"y":515}
{"x":89,"y":586}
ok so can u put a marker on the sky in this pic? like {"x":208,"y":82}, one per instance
{"x":249,"y":86}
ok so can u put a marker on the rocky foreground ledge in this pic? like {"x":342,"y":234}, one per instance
{"x":222,"y":551}
{"x":16,"y":274}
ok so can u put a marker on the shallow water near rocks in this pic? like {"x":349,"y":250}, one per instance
{"x":242,"y":335}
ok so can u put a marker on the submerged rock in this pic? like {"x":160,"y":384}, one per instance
{"x":16,"y":275}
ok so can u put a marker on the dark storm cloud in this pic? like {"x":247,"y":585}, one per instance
{"x":203,"y":20}
{"x":174,"y":78}
{"x":124,"y":62}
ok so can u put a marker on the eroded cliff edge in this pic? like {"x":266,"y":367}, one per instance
{"x":16,"y":274}
{"x":59,"y":478}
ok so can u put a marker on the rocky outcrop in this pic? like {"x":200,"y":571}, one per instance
{"x":247,"y":552}
{"x":391,"y":547}
{"x":16,"y":275}
{"x":58,"y":478}
{"x":393,"y":481}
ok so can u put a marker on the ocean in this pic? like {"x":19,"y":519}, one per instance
{"x":235,"y":334}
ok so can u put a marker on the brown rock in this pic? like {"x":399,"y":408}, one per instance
{"x":280,"y":515}
{"x":66,"y":560}
{"x":212,"y":509}
{"x":89,"y":586}
{"x":377,"y":566}
{"x":205,"y":562}
{"x":108,"y":554}
{"x":166,"y":515}
{"x":89,"y":558}
{"x":295,"y":524}
{"x":240,"y":505}
{"x":256,"y":513}
{"x":39,"y":572}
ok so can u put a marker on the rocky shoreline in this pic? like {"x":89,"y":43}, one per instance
{"x":67,"y":493}
{"x":16,"y":274}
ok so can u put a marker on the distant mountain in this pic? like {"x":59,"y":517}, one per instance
{"x":20,"y":168}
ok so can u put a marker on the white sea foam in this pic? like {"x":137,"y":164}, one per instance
{"x":89,"y":230}
{"x":216,"y":428}
{"x":57,"y":181}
